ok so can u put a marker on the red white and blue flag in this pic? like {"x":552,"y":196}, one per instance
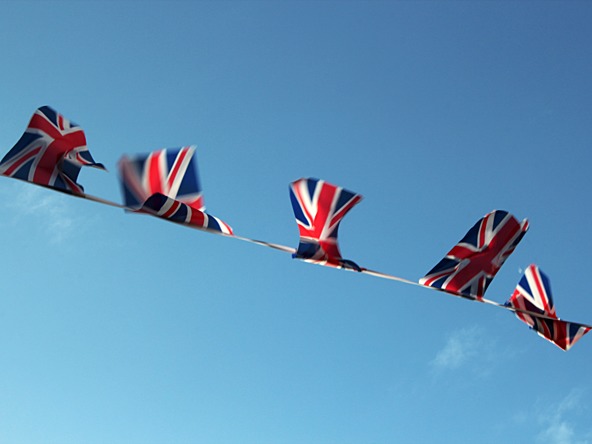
{"x":533,"y":295}
{"x":50,"y":153}
{"x":165,"y":183}
{"x":468,"y":269}
{"x":319,"y":207}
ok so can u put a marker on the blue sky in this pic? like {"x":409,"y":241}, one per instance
{"x":126,"y":329}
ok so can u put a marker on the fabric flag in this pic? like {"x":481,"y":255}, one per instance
{"x":318,"y":208}
{"x":533,"y":295}
{"x":165,"y":183}
{"x":50,"y":153}
{"x":468,"y":269}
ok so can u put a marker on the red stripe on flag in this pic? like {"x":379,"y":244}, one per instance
{"x":177,"y":165}
{"x":198,"y":218}
{"x":541,"y":290}
{"x":16,"y":165}
{"x":48,"y":162}
{"x":174,"y":207}
{"x":154,"y":173}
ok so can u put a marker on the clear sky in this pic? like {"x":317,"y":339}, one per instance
{"x":120,"y":328}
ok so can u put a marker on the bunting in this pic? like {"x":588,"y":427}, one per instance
{"x":165,"y":184}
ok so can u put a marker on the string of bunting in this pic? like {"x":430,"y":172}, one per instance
{"x":165,"y":184}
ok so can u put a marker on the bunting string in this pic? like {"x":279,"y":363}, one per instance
{"x":165,"y":184}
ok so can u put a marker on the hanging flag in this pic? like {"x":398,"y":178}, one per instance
{"x":165,"y":183}
{"x":533,"y":295}
{"x":468,"y":269}
{"x":319,"y":207}
{"x":50,"y":153}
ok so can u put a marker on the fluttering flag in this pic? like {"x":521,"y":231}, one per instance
{"x":533,"y":295}
{"x":165,"y":183}
{"x":319,"y":207}
{"x":50,"y":153}
{"x":468,"y":269}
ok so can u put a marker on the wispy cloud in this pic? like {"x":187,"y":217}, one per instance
{"x":49,"y":210}
{"x":557,"y":425}
{"x":461,"y":347}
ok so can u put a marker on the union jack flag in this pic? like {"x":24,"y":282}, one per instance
{"x":50,"y":153}
{"x":318,"y":208}
{"x":165,"y":183}
{"x":468,"y":269}
{"x":533,"y":294}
